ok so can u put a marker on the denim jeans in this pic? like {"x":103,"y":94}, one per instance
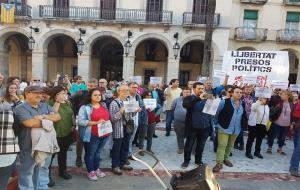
{"x":277,"y":131}
{"x":169,"y":119}
{"x":201,"y":136}
{"x":5,"y":173}
{"x":296,"y":154}
{"x":120,"y":150}
{"x":31,"y":175}
{"x":296,"y":136}
{"x":92,"y":152}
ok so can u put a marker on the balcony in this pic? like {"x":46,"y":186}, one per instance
{"x":194,"y":19}
{"x":100,"y":15}
{"x":291,"y":2}
{"x":22,"y":12}
{"x":288,"y":36}
{"x":250,"y":34}
{"x":260,"y":2}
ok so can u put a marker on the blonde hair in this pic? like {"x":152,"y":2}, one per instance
{"x":288,"y":93}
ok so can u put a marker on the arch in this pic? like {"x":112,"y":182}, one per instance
{"x":246,"y":48}
{"x":6,"y":32}
{"x":93,"y":38}
{"x":48,"y":36}
{"x":215,"y":48}
{"x":165,"y":41}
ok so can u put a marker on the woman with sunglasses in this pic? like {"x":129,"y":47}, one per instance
{"x":147,"y":124}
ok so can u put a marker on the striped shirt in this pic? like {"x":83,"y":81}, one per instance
{"x":116,"y":118}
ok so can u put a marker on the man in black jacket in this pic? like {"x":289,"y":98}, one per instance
{"x":188,"y":103}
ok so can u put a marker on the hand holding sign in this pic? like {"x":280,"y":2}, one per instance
{"x":137,"y":79}
{"x":155,"y":80}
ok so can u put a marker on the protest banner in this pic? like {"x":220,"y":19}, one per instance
{"x":150,"y":103}
{"x":294,"y":87}
{"x":137,"y":79}
{"x":263,"y":92}
{"x":211,"y":106}
{"x":131,"y":106}
{"x":280,"y":84}
{"x":265,"y":65}
{"x":155,"y":80}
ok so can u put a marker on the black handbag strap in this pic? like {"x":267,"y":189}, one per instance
{"x":263,"y":114}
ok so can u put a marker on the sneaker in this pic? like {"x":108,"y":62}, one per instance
{"x":295,"y":173}
{"x":100,"y":173}
{"x":217,"y":167}
{"x":258,"y":155}
{"x":180,"y":151}
{"x":184,"y":165}
{"x":249,"y":155}
{"x":92,"y":176}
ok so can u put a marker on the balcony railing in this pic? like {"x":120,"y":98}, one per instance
{"x":288,"y":36}
{"x":254,"y":1}
{"x":250,"y":34}
{"x":97,"y":14}
{"x":22,"y":11}
{"x":190,"y":18}
{"x":291,"y":2}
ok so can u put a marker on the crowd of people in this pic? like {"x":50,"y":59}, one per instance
{"x":39,"y":121}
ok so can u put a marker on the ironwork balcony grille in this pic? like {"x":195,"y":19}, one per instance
{"x":288,"y":36}
{"x":190,"y":18}
{"x":97,"y":14}
{"x":254,"y":1}
{"x":291,"y":2}
{"x":22,"y":10}
{"x":250,"y":34}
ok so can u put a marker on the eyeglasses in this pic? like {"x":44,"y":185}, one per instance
{"x":36,"y":80}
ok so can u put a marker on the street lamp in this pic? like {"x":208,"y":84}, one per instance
{"x":31,"y":40}
{"x":128,"y":45}
{"x":176,"y":46}
{"x":80,"y":42}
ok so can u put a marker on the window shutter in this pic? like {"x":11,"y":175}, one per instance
{"x":250,"y":14}
{"x":292,"y":17}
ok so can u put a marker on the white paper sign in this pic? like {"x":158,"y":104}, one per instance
{"x":104,"y":128}
{"x":150,"y":103}
{"x":155,"y":80}
{"x":280,"y":84}
{"x":295,"y":87}
{"x":137,"y":79}
{"x":263,"y":92}
{"x":203,"y":79}
{"x":216,"y":82}
{"x":265,"y":65}
{"x":131,"y":106}
{"x":211,"y":106}
{"x":219,"y":74}
{"x":249,"y":80}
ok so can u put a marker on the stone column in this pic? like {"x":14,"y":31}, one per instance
{"x":4,"y":63}
{"x":84,"y":66}
{"x":298,"y":76}
{"x":39,"y":65}
{"x":128,"y":66}
{"x":173,"y":69}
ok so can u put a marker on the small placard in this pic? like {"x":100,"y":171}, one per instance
{"x":249,"y":80}
{"x":155,"y":80}
{"x":131,"y":106}
{"x":137,"y":79}
{"x":280,"y":84}
{"x":295,"y":87}
{"x":263,"y":92}
{"x":150,"y":103}
{"x":211,"y":106}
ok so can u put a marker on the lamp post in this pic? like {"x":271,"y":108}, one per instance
{"x":80,"y":42}
{"x":31,"y":40}
{"x":128,"y":45}
{"x":176,"y":46}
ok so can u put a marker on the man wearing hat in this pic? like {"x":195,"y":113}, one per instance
{"x":30,"y":115}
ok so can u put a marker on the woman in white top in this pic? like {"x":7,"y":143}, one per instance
{"x":257,"y":123}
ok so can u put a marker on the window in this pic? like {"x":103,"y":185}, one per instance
{"x":148,"y":73}
{"x":199,"y":11}
{"x":186,"y":52}
{"x":294,"y":1}
{"x":108,"y":9}
{"x":154,"y":10}
{"x":150,"y":47}
{"x":291,"y":26}
{"x":61,"y":8}
{"x":250,"y":24}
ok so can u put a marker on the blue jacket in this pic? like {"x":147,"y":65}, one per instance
{"x":84,"y":116}
{"x":201,"y":120}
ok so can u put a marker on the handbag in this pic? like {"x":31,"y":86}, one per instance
{"x":104,"y":128}
{"x":129,"y":126}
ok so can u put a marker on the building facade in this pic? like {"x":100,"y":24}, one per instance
{"x":239,"y":25}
